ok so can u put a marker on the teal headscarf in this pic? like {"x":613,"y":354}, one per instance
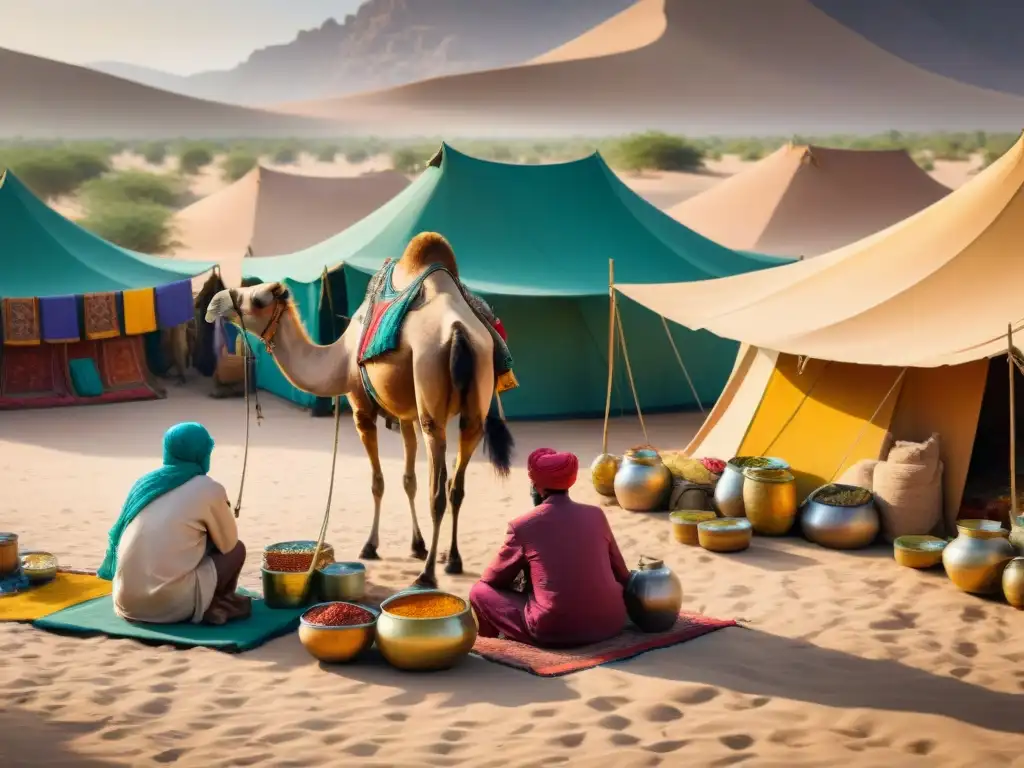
{"x":187,"y":450}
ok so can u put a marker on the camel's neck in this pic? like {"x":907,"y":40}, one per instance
{"x":319,"y":370}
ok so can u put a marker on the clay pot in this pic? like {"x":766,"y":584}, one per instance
{"x":1013,"y":583}
{"x":729,"y":490}
{"x":769,"y":500}
{"x":602,"y":473}
{"x":643,"y":483}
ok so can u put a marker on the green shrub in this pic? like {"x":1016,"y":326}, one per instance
{"x":237,"y":163}
{"x":326,"y":154}
{"x":154,"y":153}
{"x":410,"y":159}
{"x":924,"y":161}
{"x":51,"y":173}
{"x":657,"y":151}
{"x":134,"y":187}
{"x":357,"y":156}
{"x":193,"y":159}
{"x":143,"y":227}
{"x":285,"y":155}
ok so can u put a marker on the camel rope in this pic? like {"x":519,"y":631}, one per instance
{"x":330,"y":494}
{"x":247,"y":356}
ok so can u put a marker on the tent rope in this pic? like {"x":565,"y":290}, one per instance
{"x":629,"y":373}
{"x":611,"y":354}
{"x":330,"y":494}
{"x":679,"y":359}
{"x":799,"y":405}
{"x":868,"y":423}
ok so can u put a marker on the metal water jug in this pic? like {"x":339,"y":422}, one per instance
{"x":653,"y":596}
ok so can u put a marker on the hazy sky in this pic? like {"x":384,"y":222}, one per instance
{"x":180,"y":36}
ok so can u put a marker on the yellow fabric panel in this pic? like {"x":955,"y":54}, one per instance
{"x":818,"y":420}
{"x":66,"y":590}
{"x":139,"y":311}
{"x":946,"y":400}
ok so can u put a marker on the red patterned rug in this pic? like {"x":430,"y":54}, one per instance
{"x":548,"y":662}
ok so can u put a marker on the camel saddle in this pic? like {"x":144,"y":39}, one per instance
{"x":386,"y":311}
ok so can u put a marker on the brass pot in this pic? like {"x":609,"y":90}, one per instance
{"x":1013,"y":583}
{"x":918,"y":551}
{"x":288,"y":589}
{"x":602,"y":473}
{"x":684,"y":525}
{"x":1017,"y":533}
{"x":729,"y":490}
{"x":836,"y":527}
{"x":653,"y":596}
{"x":643,"y":483}
{"x":39,"y":567}
{"x":725,"y":535}
{"x":769,"y":500}
{"x":335,"y":645}
{"x":975,"y":559}
{"x":424,"y":644}
{"x":341,"y":582}
{"x":9,"y":560}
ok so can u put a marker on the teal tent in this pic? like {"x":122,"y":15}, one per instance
{"x":44,"y":256}
{"x":534,"y":241}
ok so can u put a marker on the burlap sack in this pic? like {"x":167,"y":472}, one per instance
{"x":861,"y":474}
{"x":908,"y":488}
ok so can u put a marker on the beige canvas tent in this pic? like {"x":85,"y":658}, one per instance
{"x":893,"y":332}
{"x":808,"y":200}
{"x":272,"y":212}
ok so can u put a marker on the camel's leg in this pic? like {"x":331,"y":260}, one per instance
{"x":419,"y":547}
{"x":434,"y":437}
{"x":366,"y":426}
{"x":471,"y":432}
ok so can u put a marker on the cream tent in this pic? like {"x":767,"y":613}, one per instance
{"x":272,"y":212}
{"x":808,"y":200}
{"x":889,"y":333}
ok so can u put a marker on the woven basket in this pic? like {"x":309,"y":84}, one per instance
{"x":687,"y":495}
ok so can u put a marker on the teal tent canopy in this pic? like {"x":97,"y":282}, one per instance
{"x":44,"y":254}
{"x":535,"y":242}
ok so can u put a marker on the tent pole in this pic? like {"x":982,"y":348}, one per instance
{"x":1013,"y":424}
{"x":611,"y":352}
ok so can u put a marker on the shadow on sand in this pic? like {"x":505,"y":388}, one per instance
{"x":760,"y":664}
{"x":29,"y":739}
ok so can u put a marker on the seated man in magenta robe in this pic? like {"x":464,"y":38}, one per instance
{"x":574,"y":572}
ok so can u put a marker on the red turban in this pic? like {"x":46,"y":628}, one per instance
{"x":552,"y":471}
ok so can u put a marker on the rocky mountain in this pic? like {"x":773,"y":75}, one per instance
{"x":981,"y":43}
{"x":387,"y":43}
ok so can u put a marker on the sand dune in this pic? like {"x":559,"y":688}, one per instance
{"x":804,"y":201}
{"x":633,"y":28}
{"x":45,"y":98}
{"x":273,"y":212}
{"x":726,"y":67}
{"x":845,"y":659}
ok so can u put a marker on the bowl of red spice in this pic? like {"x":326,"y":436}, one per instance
{"x":425,"y":630}
{"x":337,"y":632}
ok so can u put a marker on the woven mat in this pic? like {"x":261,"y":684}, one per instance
{"x":546,"y":662}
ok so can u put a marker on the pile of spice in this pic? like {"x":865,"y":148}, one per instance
{"x":292,"y":556}
{"x":714,"y":466}
{"x":428,"y":606}
{"x":842,"y":496}
{"x":755,"y":462}
{"x":338,"y":615}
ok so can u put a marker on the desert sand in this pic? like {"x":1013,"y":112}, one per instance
{"x":841,"y":660}
{"x":44,"y":98}
{"x":718,"y":68}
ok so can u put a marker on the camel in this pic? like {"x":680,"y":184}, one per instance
{"x":443,"y":366}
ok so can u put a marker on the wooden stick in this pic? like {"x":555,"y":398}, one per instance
{"x":1013,"y":424}
{"x":611,"y":352}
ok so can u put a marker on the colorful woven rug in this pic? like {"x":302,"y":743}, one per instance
{"x":21,"y":322}
{"x":548,"y":662}
{"x":101,"y":318}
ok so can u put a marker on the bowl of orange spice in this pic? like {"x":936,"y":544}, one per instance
{"x":425,"y":630}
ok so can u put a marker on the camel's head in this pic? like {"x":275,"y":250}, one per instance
{"x":261,"y":306}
